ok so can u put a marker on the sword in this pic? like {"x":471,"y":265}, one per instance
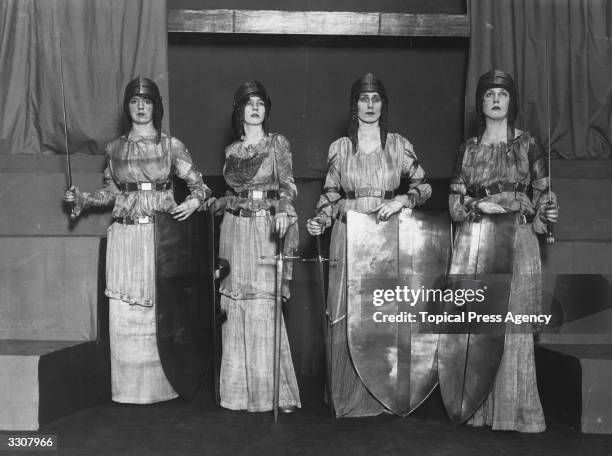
{"x":550,"y":238}
{"x":319,"y":259}
{"x":280,"y":259}
{"x":73,"y":214}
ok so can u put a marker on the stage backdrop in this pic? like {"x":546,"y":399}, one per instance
{"x":104,"y":44}
{"x":563,"y":45}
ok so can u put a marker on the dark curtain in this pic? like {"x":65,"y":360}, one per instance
{"x":104,"y":44}
{"x":565,"y":44}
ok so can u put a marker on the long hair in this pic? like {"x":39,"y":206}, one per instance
{"x":354,"y":123}
{"x":367,"y":83}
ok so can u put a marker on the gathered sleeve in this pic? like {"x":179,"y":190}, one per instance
{"x":103,"y":197}
{"x":326,"y":208}
{"x":184,"y":168}
{"x":460,"y":205}
{"x":419,"y":190}
{"x":284,"y":170}
{"x":540,"y":180}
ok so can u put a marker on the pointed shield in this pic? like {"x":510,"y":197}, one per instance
{"x":185,"y":304}
{"x":470,"y":354}
{"x":394,"y":354}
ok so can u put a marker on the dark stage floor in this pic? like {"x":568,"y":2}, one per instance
{"x":178,"y":428}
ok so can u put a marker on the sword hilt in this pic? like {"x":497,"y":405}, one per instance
{"x":223,"y":269}
{"x":319,"y":259}
{"x":71,"y":204}
{"x":280,"y":256}
{"x":550,"y":238}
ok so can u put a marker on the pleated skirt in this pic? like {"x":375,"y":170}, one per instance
{"x":351,"y":397}
{"x":137,"y":376}
{"x":247,"y":364}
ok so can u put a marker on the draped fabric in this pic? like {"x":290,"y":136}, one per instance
{"x":481,"y":165}
{"x":560,"y":45}
{"x":104,"y":44}
{"x":349,"y":171}
{"x":262,"y":167}
{"x":513,"y":403}
{"x":140,"y":159}
{"x":249,"y":291}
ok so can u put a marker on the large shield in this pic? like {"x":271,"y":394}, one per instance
{"x":470,"y":353}
{"x":396,"y":360}
{"x":185,"y":304}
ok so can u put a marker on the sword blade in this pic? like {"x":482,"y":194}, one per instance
{"x":66,"y":146}
{"x":278,"y":326}
{"x":325,"y":327}
{"x":73,"y":215}
{"x":550,"y":238}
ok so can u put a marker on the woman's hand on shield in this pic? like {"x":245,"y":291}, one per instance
{"x":487,"y":207}
{"x":386,"y":210}
{"x":185,"y":209}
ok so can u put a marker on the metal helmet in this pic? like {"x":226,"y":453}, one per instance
{"x":368,"y":83}
{"x":143,"y":87}
{"x":249,"y":89}
{"x":496,"y":78}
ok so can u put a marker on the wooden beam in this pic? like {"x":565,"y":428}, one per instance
{"x":394,"y":24}
{"x":274,"y":22}
{"x":307,"y":23}
{"x":201,"y":21}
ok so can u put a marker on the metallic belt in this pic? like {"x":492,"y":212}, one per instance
{"x":494,"y":189}
{"x":525,"y":219}
{"x":258,"y":194}
{"x":369,"y":191}
{"x":140,"y":186}
{"x":250,"y":213}
{"x":134,"y":220}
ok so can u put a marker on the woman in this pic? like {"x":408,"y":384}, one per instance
{"x":137,"y":181}
{"x":493,"y":174}
{"x":258,"y":214}
{"x":366,"y":167}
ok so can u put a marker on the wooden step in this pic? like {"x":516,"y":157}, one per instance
{"x":51,"y":287}
{"x":46,"y":380}
{"x":574,"y":382}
